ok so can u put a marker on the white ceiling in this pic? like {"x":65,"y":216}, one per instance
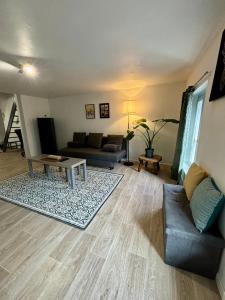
{"x":85,"y":45}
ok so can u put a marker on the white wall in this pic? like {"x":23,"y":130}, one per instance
{"x":153,"y":102}
{"x":211,"y":151}
{"x":30,"y":109}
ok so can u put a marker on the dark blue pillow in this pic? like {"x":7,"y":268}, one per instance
{"x":111,"y":148}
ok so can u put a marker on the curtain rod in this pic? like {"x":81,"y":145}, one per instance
{"x":206,"y":74}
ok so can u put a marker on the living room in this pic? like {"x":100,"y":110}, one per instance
{"x":110,"y":80}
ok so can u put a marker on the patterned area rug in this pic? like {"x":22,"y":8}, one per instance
{"x":53,"y":197}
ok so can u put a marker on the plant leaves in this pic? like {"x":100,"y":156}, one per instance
{"x":167,"y":121}
{"x":140,"y":121}
{"x":145,"y":126}
{"x":130,"y":135}
{"x":146,"y":134}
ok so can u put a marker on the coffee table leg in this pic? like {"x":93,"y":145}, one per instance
{"x":46,"y":170}
{"x":72,"y":178}
{"x":84,"y":171}
{"x":78,"y":170}
{"x":30,"y":167}
{"x":67,"y":175}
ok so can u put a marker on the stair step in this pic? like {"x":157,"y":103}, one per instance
{"x":11,"y":139}
{"x":14,"y":139}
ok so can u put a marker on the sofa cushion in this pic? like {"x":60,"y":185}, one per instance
{"x":93,"y":153}
{"x":178,"y":220}
{"x":79,"y":139}
{"x":71,"y":145}
{"x":206,"y":204}
{"x":94,"y":140}
{"x":116,"y":139}
{"x":194,"y":176}
{"x":111,"y":148}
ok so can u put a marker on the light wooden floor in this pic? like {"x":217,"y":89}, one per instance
{"x":119,"y":255}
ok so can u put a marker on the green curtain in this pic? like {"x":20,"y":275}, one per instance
{"x":180,"y":135}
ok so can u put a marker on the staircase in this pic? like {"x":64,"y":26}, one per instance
{"x":11,"y":139}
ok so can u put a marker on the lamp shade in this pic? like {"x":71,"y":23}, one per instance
{"x":130,"y":107}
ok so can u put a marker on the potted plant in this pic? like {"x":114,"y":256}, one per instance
{"x":147,"y":133}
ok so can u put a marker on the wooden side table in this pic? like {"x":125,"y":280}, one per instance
{"x":154,"y":161}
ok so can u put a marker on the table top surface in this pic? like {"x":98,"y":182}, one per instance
{"x":155,"y":159}
{"x":70,"y":162}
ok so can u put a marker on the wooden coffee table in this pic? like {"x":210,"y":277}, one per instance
{"x":68,"y":165}
{"x":143,"y":160}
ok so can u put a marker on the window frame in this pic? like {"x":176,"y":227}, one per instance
{"x":188,"y":155}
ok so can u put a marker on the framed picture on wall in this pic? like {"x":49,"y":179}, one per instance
{"x":90,"y":111}
{"x":218,"y":87}
{"x":104,"y":110}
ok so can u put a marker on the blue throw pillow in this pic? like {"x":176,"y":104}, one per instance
{"x":206,"y":204}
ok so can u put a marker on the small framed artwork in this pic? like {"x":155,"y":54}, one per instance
{"x":90,"y":111}
{"x":218,"y":87}
{"x":104,"y":110}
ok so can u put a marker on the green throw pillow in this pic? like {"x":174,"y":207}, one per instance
{"x":206,"y":204}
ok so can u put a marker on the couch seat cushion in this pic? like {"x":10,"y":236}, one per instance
{"x":93,"y":153}
{"x":111,"y":148}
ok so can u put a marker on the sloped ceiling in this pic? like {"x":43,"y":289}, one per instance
{"x":94,"y":45}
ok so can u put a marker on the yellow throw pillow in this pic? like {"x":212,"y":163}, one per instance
{"x":194,"y":176}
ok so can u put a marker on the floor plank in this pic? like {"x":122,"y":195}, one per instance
{"x":3,"y":274}
{"x":134,"y":279}
{"x":84,"y":283}
{"x":119,"y":255}
{"x":38,"y":280}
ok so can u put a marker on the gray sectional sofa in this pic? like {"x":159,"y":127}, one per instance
{"x":95,"y":156}
{"x":184,"y":246}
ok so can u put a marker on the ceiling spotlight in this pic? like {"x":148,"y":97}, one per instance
{"x":28,"y":69}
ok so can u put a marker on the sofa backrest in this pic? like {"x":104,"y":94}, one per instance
{"x":105,"y":140}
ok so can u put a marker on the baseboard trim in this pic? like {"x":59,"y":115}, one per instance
{"x":220,"y":286}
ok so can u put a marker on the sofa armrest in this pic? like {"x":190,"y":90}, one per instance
{"x":173,"y":188}
{"x":172,"y":192}
{"x":204,"y":239}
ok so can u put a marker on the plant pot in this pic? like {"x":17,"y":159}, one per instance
{"x":149,"y":152}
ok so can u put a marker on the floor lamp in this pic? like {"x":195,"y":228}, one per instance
{"x":130,"y":110}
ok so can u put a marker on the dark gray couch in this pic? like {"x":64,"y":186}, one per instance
{"x":95,"y":156}
{"x":185,"y":247}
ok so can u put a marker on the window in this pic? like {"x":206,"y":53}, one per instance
{"x":192,"y":126}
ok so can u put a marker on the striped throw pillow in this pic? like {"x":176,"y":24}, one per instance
{"x":206,"y":204}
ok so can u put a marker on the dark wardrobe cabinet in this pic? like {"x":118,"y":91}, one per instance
{"x":47,"y":135}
